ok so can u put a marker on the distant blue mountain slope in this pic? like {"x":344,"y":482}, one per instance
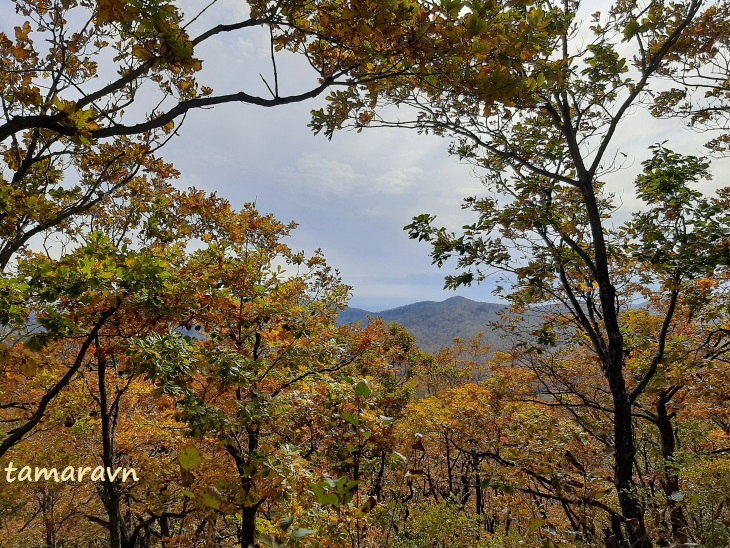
{"x":436,"y":324}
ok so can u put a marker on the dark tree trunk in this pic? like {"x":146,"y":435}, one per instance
{"x":677,"y":520}
{"x":449,"y":470}
{"x":247,"y":532}
{"x":111,"y":492}
{"x":613,"y":368}
{"x":625,"y":458}
{"x":47,"y":502}
{"x":377,"y":488}
{"x":479,"y":503}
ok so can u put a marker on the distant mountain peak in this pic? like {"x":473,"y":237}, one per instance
{"x":435,"y":324}
{"x":459,"y":298}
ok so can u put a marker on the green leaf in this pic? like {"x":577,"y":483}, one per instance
{"x":285,"y":523}
{"x":362,"y":389}
{"x":302,"y":532}
{"x":345,"y":487}
{"x":189,"y":458}
{"x":349,"y":417}
{"x":209,"y":500}
{"x":631,"y":29}
{"x":475,"y":25}
{"x":272,"y":541}
{"x":453,"y":7}
{"x":323,"y":497}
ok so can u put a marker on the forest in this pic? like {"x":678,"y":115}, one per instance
{"x":173,"y":372}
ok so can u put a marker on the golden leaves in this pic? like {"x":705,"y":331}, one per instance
{"x":22,"y":33}
{"x":115,"y":11}
{"x":20,"y":358}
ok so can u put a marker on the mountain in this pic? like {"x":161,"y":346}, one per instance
{"x":435,"y":324}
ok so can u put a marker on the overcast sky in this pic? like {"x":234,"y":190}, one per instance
{"x":350,"y":196}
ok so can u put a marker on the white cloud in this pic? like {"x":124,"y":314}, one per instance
{"x":326,"y":176}
{"x":398,"y":181}
{"x":329,"y":177}
{"x":243,"y":48}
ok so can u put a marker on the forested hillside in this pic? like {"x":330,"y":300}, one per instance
{"x":435,"y":325}
{"x":175,"y":372}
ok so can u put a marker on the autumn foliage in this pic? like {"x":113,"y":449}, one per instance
{"x":149,"y":328}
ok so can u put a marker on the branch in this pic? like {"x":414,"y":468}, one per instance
{"x":184,"y":106}
{"x":17,"y":434}
{"x":659,"y":354}
{"x":228,"y":28}
{"x":648,"y":71}
{"x":97,"y":520}
{"x":85,"y":203}
{"x":54,"y":122}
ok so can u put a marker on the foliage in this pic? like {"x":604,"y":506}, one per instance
{"x":435,"y":325}
{"x":171,"y":332}
{"x":440,"y":525}
{"x":538,"y":110}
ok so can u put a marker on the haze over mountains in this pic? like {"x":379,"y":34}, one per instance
{"x":436,"y":324}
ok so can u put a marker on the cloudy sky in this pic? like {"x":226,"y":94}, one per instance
{"x":351,"y":196}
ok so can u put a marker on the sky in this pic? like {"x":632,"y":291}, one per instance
{"x":350,"y":196}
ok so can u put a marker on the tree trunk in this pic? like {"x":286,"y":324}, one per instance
{"x":247,"y":531}
{"x":479,"y":503}
{"x":677,"y":520}
{"x":625,"y":457}
{"x":49,"y":521}
{"x":109,"y":491}
{"x":613,"y":368}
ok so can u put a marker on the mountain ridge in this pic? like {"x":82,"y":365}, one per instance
{"x":435,"y":324}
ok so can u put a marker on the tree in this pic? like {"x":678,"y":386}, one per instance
{"x":68,"y":142}
{"x":528,"y":453}
{"x":50,"y":301}
{"x":699,"y":66}
{"x":75,"y":150}
{"x":78,"y":315}
{"x":270,"y":384}
{"x":538,"y":108}
{"x":270,"y":348}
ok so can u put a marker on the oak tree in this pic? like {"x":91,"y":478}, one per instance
{"x":536,"y":96}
